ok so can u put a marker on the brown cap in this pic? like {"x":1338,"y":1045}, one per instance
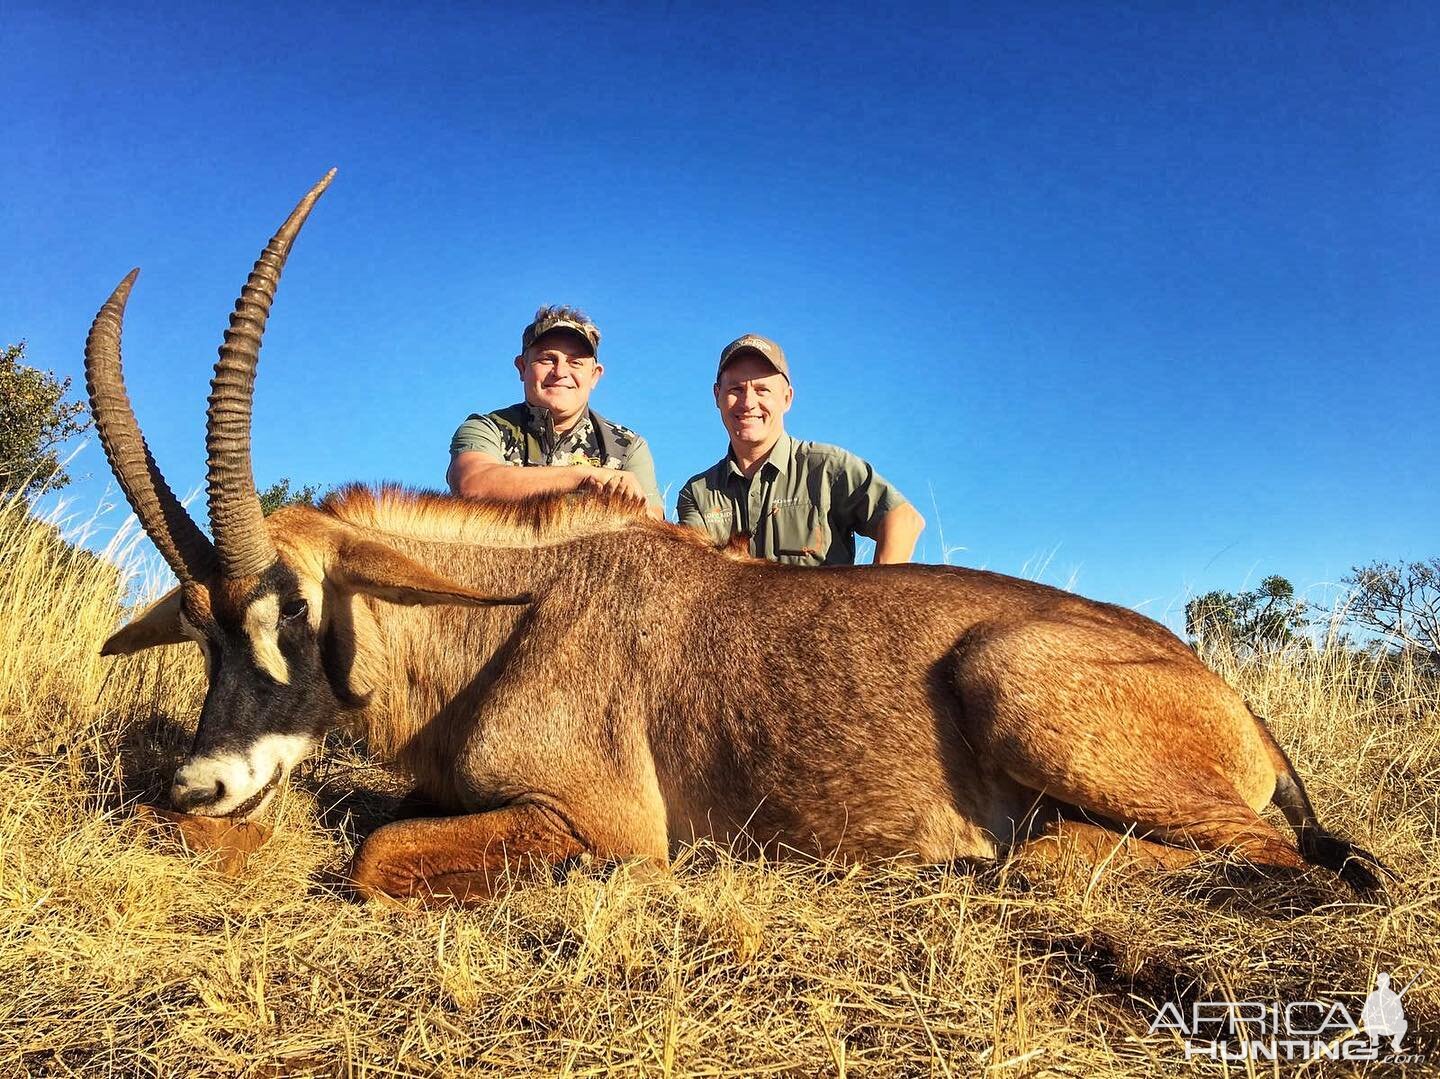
{"x":762,"y":346}
{"x":550,"y":319}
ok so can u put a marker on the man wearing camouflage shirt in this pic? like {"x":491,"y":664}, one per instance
{"x":555,"y":426}
{"x":800,"y":502}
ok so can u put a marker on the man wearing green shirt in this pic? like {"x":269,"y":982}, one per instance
{"x":554,"y":426}
{"x":800,"y":502}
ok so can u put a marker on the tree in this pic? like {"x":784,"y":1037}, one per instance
{"x":35,"y":419}
{"x":1400,"y":601}
{"x":279,"y":494}
{"x":1263,"y":619}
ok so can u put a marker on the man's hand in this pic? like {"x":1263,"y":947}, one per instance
{"x":611,"y":481}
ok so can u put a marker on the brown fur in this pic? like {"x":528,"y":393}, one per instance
{"x":460,"y":859}
{"x":655,"y":689}
{"x":658,"y":690}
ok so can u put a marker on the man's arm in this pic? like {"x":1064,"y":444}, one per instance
{"x":641,"y":465}
{"x":478,"y":470}
{"x":897,"y":533}
{"x":478,"y":475}
{"x":686,"y":511}
{"x":879,"y":510}
{"x":475,"y":474}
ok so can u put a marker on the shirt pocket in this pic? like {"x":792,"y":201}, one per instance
{"x":801,"y":532}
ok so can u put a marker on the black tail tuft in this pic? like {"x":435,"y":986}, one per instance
{"x":1317,"y":846}
{"x":1346,"y":859}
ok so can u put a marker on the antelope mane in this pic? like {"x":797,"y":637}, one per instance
{"x":537,"y":521}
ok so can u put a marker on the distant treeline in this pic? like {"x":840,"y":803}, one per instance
{"x":1383,"y":605}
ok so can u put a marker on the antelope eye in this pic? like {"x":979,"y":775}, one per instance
{"x":296,"y":608}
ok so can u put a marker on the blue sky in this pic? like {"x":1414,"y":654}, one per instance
{"x":1138,"y":299}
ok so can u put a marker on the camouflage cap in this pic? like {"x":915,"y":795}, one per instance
{"x":762,"y":346}
{"x":550,"y":319}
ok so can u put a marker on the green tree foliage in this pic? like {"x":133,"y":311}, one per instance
{"x":35,"y":419}
{"x":1399,"y":600}
{"x":1263,"y":619}
{"x":279,"y":494}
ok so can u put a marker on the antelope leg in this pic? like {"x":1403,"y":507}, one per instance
{"x":1184,"y":810}
{"x":1090,"y":846}
{"x":1128,"y":734}
{"x":460,"y":860}
{"x":229,"y":842}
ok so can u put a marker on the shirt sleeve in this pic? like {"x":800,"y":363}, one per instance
{"x":687,"y":512}
{"x":478,"y":434}
{"x":863,"y":496}
{"x":640,"y":464}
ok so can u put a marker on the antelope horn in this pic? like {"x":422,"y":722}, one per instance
{"x":235,"y":514}
{"x":172,"y":530}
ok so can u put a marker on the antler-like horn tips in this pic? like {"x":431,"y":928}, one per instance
{"x":175,"y":535}
{"x":235,"y":514}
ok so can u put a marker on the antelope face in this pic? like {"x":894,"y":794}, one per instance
{"x":269,"y":701}
{"x":281,"y":653}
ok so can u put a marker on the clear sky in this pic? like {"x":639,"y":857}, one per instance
{"x":1139,"y":299}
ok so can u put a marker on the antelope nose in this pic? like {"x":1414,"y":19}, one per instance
{"x":189,"y":795}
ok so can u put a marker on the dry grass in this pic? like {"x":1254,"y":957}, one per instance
{"x":118,"y":957}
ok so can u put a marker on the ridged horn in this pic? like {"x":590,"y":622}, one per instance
{"x":235,"y":515}
{"x":172,"y":530}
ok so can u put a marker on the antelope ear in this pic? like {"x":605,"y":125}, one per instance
{"x":376,"y":570}
{"x":157,"y":624}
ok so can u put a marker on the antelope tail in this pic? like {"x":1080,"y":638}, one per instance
{"x":1318,"y":846}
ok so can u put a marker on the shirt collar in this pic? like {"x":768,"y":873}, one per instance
{"x":781,"y":455}
{"x":544,"y":427}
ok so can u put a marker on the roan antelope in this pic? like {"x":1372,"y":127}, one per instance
{"x":569,"y":677}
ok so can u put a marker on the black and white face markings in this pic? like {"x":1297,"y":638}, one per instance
{"x":269,"y":700}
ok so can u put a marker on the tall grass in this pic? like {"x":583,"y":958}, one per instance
{"x":121,"y":957}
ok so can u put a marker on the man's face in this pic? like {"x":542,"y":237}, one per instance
{"x":753,"y":398}
{"x":559,"y":371}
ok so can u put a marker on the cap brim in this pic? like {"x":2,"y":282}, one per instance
{"x":574,"y":329}
{"x":750,"y":350}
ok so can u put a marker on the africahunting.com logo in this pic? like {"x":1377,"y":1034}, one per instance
{"x":1239,"y":1030}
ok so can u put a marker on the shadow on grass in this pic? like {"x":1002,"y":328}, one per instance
{"x":148,"y":751}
